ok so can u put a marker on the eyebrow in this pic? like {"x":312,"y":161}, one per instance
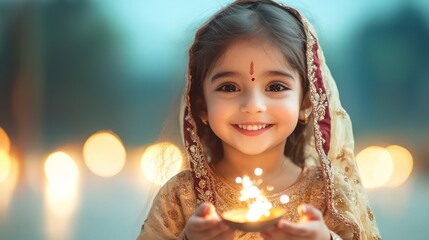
{"x":280,"y":73}
{"x":273,"y":73}
{"x":224,"y":74}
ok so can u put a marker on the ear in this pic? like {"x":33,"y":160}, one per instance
{"x":203,"y":116}
{"x":202,"y":110}
{"x":306,"y":108}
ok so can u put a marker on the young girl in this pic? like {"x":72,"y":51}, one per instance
{"x":260,"y":94}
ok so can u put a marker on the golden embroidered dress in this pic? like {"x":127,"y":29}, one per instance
{"x":330,"y":180}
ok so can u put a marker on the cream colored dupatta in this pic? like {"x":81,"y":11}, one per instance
{"x":332,"y":147}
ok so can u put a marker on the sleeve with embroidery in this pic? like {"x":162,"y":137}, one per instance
{"x":170,"y":210}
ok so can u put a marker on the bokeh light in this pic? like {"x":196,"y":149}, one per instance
{"x":61,"y":171}
{"x":62,"y":174}
{"x":160,"y":162}
{"x":258,"y":171}
{"x":375,"y":166}
{"x":9,"y":182}
{"x":4,"y":141}
{"x":238,"y":179}
{"x":104,"y":154}
{"x":403,"y":165}
{"x":284,"y":198}
{"x":5,"y":163}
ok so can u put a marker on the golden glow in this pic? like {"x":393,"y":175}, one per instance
{"x":5,"y":163}
{"x":4,"y":141}
{"x":59,"y":215}
{"x":284,"y":198}
{"x":403,"y":165}
{"x":238,"y":180}
{"x":160,"y":162}
{"x":7,"y":186}
{"x":375,"y":166}
{"x":258,"y":205}
{"x":62,"y":175}
{"x":61,"y":203}
{"x":61,"y":171}
{"x":258,"y":209}
{"x":258,"y":171}
{"x":104,"y":154}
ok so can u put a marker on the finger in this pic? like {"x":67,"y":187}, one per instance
{"x":201,"y":224}
{"x":265,"y":235}
{"x":207,"y":210}
{"x":227,"y":233}
{"x":203,"y":209}
{"x":216,"y":231}
{"x":309,"y":213}
{"x":296,"y":229}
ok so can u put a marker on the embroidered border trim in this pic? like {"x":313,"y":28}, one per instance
{"x":322,"y":119}
{"x":203,"y":182}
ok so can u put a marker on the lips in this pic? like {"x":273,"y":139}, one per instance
{"x":252,"y":129}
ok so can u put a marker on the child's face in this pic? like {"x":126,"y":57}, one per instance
{"x":252,"y":97}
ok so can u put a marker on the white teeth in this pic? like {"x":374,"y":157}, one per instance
{"x":252,"y":127}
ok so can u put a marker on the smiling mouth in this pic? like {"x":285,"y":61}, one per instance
{"x":253,"y":127}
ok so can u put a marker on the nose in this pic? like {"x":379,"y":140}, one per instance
{"x":253,"y":102}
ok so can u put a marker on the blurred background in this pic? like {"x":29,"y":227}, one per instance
{"x":86,"y":86}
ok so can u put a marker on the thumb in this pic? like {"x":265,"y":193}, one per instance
{"x":203,"y":209}
{"x":206,"y":210}
{"x":309,"y":213}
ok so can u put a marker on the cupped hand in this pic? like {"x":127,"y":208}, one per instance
{"x":205,"y":223}
{"x":310,"y":227}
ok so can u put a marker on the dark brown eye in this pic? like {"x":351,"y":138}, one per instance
{"x":276,"y":87}
{"x":228,"y":88}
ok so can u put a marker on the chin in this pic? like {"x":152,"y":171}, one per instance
{"x":252,"y":151}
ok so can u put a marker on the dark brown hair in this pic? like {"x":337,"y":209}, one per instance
{"x":244,"y":19}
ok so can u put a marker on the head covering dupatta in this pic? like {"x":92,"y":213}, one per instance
{"x":331,"y":145}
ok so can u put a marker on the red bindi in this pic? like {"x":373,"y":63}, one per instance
{"x":252,"y":70}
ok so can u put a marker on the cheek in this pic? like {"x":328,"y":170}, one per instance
{"x":288,"y":110}
{"x":218,"y":108}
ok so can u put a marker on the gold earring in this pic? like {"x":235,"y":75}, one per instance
{"x":306,"y":117}
{"x":204,"y":121}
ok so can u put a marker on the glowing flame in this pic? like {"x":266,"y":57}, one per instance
{"x":258,"y":204}
{"x":261,"y":207}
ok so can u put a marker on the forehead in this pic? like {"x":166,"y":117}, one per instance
{"x":264,"y":54}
